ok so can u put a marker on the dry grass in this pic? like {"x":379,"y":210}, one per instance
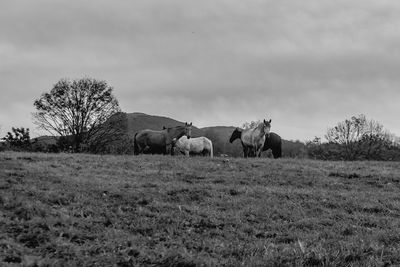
{"x":75,"y":209}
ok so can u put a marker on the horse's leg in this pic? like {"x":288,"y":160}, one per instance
{"x":259,"y":152}
{"x":167,"y":150}
{"x":140,"y":149}
{"x":274,"y":153}
{"x":145,"y":150}
{"x":250,"y":151}
{"x":255,"y":149}
{"x":277,"y":152}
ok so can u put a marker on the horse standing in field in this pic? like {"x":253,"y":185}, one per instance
{"x":197,"y":146}
{"x":272,"y":141}
{"x":252,"y":139}
{"x":159,"y":141}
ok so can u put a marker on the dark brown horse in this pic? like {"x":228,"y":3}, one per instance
{"x":272,"y":141}
{"x":159,"y":141}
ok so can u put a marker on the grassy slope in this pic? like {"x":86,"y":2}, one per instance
{"x":161,"y":210}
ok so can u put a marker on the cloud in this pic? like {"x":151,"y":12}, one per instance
{"x":306,"y":64}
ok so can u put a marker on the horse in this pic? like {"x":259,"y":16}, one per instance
{"x":252,"y":139}
{"x":159,"y":141}
{"x":197,"y":146}
{"x":272,"y":141}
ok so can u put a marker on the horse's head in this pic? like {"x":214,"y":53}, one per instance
{"x":266,"y":126}
{"x":188,"y":129}
{"x":235,"y":135}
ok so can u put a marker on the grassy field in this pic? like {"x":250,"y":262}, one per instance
{"x":76,"y":209}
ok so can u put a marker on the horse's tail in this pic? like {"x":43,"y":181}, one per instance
{"x":211,"y":150}
{"x":135,"y":146}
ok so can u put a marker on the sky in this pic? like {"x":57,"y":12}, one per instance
{"x":307,"y":65}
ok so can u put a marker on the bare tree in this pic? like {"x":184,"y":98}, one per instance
{"x":252,"y":124}
{"x":75,"y":108}
{"x":359,"y":137}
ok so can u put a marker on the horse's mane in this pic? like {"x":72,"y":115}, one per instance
{"x":259,"y":126}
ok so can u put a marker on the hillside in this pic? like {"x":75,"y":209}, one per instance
{"x":45,"y":140}
{"x":223,"y":132}
{"x":91,"y":210}
{"x":139,"y":121}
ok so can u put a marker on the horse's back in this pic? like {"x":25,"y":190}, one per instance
{"x":246,"y":137}
{"x":251,"y":137}
{"x":196,"y":145}
{"x":149,"y":132}
{"x":272,"y":141}
{"x":150,"y":137}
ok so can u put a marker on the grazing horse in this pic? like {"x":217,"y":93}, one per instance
{"x":159,"y":141}
{"x":252,"y":139}
{"x":272,"y":141}
{"x":197,"y":146}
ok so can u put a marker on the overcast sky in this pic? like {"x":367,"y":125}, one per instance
{"x":304,"y":64}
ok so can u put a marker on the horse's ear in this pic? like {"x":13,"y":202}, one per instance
{"x":190,"y":124}
{"x":270,"y":120}
{"x":265,"y":122}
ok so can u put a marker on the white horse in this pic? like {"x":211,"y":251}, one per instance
{"x":253,"y":139}
{"x":199,"y":145}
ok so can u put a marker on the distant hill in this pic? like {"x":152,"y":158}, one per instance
{"x":48,"y":140}
{"x":139,"y":121}
{"x":45,"y":143}
{"x":223,"y":132}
